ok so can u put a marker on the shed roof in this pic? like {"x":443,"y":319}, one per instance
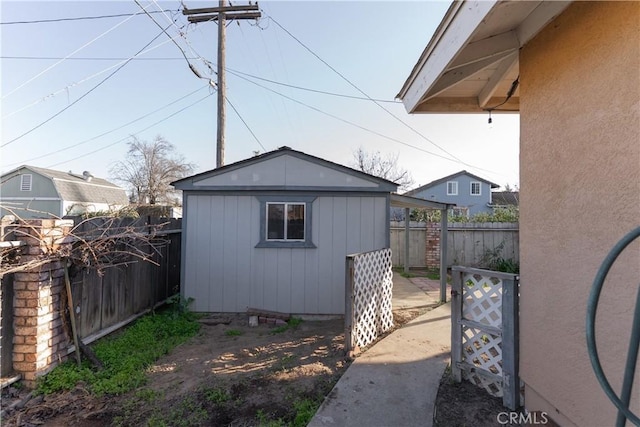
{"x":230,"y":177}
{"x":78,"y":188}
{"x":447,"y":178}
{"x":471,"y":63}
{"x":505,"y":198}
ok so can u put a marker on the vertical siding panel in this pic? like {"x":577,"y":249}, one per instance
{"x":339,"y":254}
{"x":244,"y":250}
{"x":215,"y":259}
{"x":367,"y":225}
{"x":199,"y":243}
{"x":257,"y":258}
{"x":353,"y":225}
{"x":380,"y":222}
{"x":325,"y":252}
{"x":284,"y":280}
{"x":297,"y":280}
{"x":229,"y":249}
{"x":311,"y":259}
{"x":270,"y":282}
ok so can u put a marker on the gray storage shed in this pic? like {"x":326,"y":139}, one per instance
{"x":272,"y":232}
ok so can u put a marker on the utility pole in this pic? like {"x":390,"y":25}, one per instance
{"x":221,"y":14}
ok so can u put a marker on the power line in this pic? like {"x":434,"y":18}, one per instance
{"x":245,"y":124}
{"x":314,"y":90}
{"x":365,"y":94}
{"x":193,"y":69}
{"x":192,"y":58}
{"x":344,"y":120}
{"x":80,"y":58}
{"x":66,"y":88}
{"x":59,"y":150}
{"x":133,"y":134}
{"x":62,"y":60}
{"x":81,"y":18}
{"x":80,"y":98}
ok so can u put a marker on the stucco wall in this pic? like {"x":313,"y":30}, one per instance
{"x":580,"y":193}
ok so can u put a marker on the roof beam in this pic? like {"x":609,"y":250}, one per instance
{"x":449,"y":42}
{"x":466,"y":105}
{"x":486,"y":48}
{"x":450,"y":78}
{"x":504,"y":69}
{"x":541,"y":16}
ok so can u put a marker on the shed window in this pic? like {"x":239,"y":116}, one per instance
{"x":285,"y":221}
{"x":25,"y":182}
{"x":476,"y":188}
{"x":452,"y":188}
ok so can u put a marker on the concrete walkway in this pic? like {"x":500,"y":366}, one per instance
{"x":395,"y":382}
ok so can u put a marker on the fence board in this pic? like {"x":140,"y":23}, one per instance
{"x":467,"y":243}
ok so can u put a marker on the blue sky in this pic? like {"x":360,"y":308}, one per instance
{"x":374,"y":45}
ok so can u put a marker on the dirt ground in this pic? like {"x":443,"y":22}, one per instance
{"x":236,"y":375}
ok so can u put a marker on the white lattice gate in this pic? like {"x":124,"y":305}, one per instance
{"x":484,"y":331}
{"x":369,"y":285}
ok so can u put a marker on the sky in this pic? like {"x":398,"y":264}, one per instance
{"x":304,"y":75}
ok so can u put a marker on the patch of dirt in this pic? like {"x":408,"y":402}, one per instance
{"x":465,"y":404}
{"x":236,"y":375}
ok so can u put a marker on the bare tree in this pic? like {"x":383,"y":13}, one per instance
{"x":383,"y":166}
{"x":149,"y":169}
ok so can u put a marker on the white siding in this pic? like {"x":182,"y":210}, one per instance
{"x":224,"y":272}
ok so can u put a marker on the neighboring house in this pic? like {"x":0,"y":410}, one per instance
{"x":470,"y":193}
{"x":571,"y":70}
{"x":33,"y":192}
{"x":272,"y":232}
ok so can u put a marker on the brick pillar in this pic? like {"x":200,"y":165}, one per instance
{"x":432,"y":252}
{"x":40,"y":341}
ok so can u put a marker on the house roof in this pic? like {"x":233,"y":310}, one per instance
{"x":505,"y":198}
{"x":471,"y":63}
{"x":188,"y":182}
{"x":448,"y":178}
{"x":78,"y":188}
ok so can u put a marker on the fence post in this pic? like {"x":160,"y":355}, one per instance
{"x":348,"y":308}
{"x":510,"y":344}
{"x":444,"y":227}
{"x":456,"y":326}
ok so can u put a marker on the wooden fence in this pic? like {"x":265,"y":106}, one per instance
{"x":101,"y":303}
{"x":467,"y":244}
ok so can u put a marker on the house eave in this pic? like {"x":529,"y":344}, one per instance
{"x":471,"y":62}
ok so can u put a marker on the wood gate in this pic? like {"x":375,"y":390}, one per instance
{"x":484,"y":331}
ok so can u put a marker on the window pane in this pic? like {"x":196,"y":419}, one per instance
{"x":295,"y":221}
{"x":275,"y":221}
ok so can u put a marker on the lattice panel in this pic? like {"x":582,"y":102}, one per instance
{"x":372,"y":288}
{"x":482,"y":299}
{"x":484,"y":351}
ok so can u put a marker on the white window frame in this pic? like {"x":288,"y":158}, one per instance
{"x":471,"y":184}
{"x":26,"y":184}
{"x":454,"y":188}
{"x":286,"y":205}
{"x":286,"y":199}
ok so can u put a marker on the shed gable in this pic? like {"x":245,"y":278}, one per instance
{"x":285,"y":171}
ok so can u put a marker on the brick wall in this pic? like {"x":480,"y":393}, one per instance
{"x":40,"y":341}
{"x":432,"y":253}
